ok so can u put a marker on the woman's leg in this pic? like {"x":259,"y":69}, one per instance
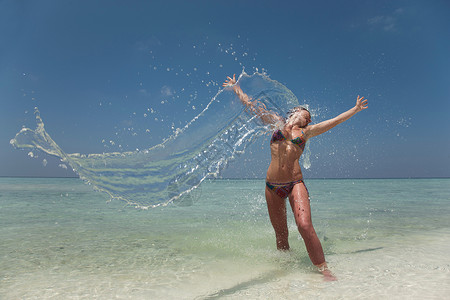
{"x":277,"y":214}
{"x":299,"y":201}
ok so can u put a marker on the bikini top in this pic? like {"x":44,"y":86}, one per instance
{"x":299,"y":141}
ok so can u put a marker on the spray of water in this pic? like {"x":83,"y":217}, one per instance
{"x":163,"y":173}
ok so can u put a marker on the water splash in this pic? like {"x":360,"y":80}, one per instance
{"x":162,"y":174}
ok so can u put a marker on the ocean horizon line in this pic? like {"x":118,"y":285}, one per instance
{"x":244,"y":178}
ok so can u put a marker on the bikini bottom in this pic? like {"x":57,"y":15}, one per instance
{"x":283,"y":189}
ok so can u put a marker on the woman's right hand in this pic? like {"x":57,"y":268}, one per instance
{"x":360,"y":103}
{"x":230,"y":81}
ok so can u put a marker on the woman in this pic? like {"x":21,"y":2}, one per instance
{"x":284,"y":176}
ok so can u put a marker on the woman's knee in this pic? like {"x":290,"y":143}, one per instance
{"x":305,"y":228}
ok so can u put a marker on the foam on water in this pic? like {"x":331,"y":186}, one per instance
{"x":163,"y":173}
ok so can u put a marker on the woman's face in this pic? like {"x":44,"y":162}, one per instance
{"x":301,"y":118}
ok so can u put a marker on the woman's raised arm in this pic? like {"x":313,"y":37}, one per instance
{"x":255,"y":107}
{"x":324,"y":126}
{"x":237,"y":89}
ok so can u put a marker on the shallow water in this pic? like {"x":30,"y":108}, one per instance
{"x":382,"y":238}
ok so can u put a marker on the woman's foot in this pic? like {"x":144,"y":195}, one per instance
{"x":327,"y":275}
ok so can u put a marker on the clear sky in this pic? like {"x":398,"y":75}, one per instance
{"x":128,"y":72}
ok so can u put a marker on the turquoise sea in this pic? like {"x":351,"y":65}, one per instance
{"x":382,"y":238}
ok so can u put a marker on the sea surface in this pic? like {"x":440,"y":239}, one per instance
{"x":382,"y":238}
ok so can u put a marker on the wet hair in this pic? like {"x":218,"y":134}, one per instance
{"x":294,"y":110}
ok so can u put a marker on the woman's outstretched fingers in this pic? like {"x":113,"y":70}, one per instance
{"x":230,"y":81}
{"x":361,"y":103}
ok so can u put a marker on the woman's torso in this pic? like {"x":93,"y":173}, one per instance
{"x":286,"y":147}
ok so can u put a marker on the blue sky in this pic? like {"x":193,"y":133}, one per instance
{"x":130,"y":72}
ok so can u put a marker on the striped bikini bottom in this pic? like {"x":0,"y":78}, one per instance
{"x":283,"y":189}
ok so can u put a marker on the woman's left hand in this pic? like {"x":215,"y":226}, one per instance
{"x":230,"y":81}
{"x":361,"y":103}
